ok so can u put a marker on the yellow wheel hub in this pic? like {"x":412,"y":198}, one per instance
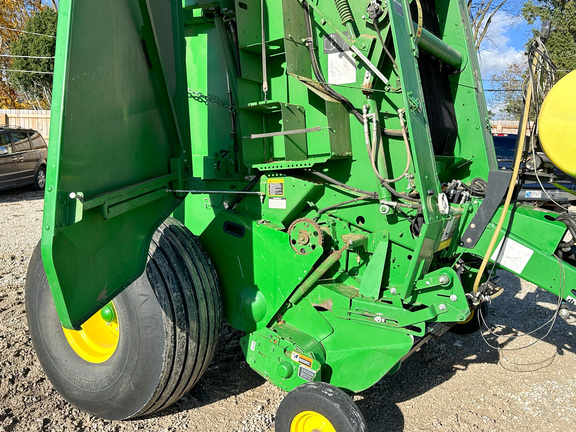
{"x":311,"y":421}
{"x":98,"y":339}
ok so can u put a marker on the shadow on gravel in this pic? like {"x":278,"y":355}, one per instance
{"x":514,"y":313}
{"x":20,"y":194}
{"x":227,"y":376}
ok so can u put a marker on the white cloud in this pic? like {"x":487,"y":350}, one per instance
{"x":497,"y":50}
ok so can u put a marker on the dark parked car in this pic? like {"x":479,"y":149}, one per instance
{"x":23,"y":155}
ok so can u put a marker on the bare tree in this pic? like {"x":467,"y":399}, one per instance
{"x":481,"y":14}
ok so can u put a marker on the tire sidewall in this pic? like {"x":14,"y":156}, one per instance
{"x":119,"y":387}
{"x":337,"y":407}
{"x":37,"y":185}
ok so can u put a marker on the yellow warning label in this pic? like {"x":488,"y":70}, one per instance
{"x":275,"y":187}
{"x":449,"y":232}
{"x":301,"y":358}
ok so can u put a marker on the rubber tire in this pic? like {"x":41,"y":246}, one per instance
{"x":169,"y":319}
{"x":38,"y":186}
{"x":474,"y":324}
{"x":325,"y":399}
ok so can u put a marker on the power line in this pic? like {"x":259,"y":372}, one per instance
{"x":22,"y":56}
{"x":23,"y":71}
{"x":502,"y":80}
{"x":27,"y":32}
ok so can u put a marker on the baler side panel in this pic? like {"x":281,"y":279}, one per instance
{"x":118,"y":140}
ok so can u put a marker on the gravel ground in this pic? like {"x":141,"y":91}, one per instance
{"x":454,"y":383}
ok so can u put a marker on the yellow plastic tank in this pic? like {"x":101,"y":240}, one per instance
{"x":557,"y":124}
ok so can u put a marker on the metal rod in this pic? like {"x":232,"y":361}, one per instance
{"x":264,"y":62}
{"x":228,"y":57}
{"x":309,"y":282}
{"x":283,"y":133}
{"x":231,"y":192}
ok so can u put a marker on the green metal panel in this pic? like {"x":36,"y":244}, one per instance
{"x":119,"y":138}
{"x":258,"y":269}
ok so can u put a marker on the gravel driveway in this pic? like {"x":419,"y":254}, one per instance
{"x":454,"y":383}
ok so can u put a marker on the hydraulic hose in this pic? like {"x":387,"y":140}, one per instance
{"x":519,"y":147}
{"x":318,"y":73}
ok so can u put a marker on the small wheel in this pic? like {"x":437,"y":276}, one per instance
{"x":474,"y":321}
{"x":40,"y":179}
{"x":145,"y":349}
{"x":318,"y":407}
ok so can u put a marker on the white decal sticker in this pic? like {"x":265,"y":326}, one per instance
{"x":277,"y":203}
{"x":253,"y":346}
{"x":533,"y":194}
{"x":450,"y":228}
{"x":341,"y":68}
{"x":305,"y":373}
{"x":515,"y":256}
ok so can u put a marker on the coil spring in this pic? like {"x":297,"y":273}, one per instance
{"x":344,"y":11}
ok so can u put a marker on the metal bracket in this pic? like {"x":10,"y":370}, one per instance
{"x":498,"y":182}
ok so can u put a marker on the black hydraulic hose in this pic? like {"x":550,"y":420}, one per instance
{"x":318,"y":73}
{"x":322,"y":81}
{"x":340,"y":184}
{"x":248,"y":187}
{"x":571,"y":225}
{"x":325,"y":209}
{"x":399,"y":194}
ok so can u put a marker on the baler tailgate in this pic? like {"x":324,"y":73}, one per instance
{"x":118,"y":141}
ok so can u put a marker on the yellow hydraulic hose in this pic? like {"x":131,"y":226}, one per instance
{"x":519,"y":147}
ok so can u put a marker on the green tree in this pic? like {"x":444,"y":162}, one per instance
{"x":13,"y":16}
{"x":507,"y":98}
{"x":561,"y":44}
{"x":33,"y":52}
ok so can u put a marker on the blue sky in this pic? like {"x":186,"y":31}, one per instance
{"x":503,"y":45}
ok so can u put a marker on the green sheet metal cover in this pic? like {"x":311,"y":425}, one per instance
{"x":118,"y":141}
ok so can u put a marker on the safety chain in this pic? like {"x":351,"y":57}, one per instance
{"x":206,"y":99}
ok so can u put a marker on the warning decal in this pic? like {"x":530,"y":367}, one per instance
{"x":306,"y":373}
{"x":301,"y":358}
{"x":276,"y":187}
{"x":449,"y":232}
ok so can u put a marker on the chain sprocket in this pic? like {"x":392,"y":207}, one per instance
{"x":305,"y":236}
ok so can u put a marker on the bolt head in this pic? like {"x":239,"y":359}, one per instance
{"x":442,"y":306}
{"x":443,"y":279}
{"x":453,"y":297}
{"x":468,"y":240}
{"x":378,"y":318}
{"x":392,"y":290}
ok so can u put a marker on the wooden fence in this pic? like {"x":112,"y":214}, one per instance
{"x":31,"y":119}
